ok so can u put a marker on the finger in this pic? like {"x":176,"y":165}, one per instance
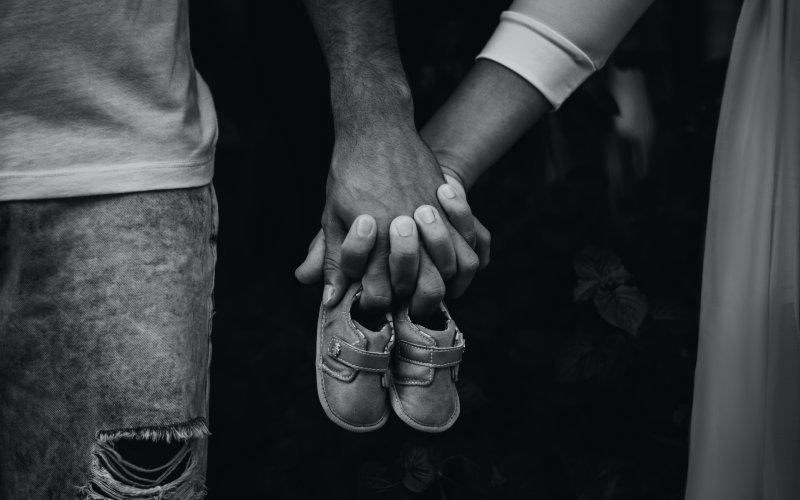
{"x":483,"y":247}
{"x":430,"y":289}
{"x":468,"y":264}
{"x":458,"y":212}
{"x":403,"y":255}
{"x":310,"y":271}
{"x":357,"y":245}
{"x":377,"y":293}
{"x":336,"y":283}
{"x":437,"y":239}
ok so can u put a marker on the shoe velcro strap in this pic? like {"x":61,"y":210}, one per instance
{"x":358,"y":358}
{"x":434,"y":357}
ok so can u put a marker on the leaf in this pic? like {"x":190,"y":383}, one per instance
{"x":374,"y":476}
{"x":583,"y":360}
{"x":585,"y":290}
{"x":596,"y":269}
{"x":664,"y":310}
{"x":624,"y":307}
{"x":593,"y":263}
{"x":420,"y":470}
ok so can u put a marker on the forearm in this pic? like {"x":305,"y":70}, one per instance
{"x":491,"y":108}
{"x":368,"y":84}
{"x":540,"y":53}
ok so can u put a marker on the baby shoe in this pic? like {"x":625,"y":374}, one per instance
{"x":353,"y":366}
{"x":425,"y":370}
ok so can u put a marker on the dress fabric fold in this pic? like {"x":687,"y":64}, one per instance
{"x":745,"y":434}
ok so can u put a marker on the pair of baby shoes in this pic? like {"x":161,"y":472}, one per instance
{"x":362,"y":369}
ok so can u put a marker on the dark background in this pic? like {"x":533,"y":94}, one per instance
{"x":561,"y":399}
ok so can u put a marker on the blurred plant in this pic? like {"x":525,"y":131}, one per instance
{"x":603,"y":279}
{"x":420,"y":468}
{"x":420,"y":471}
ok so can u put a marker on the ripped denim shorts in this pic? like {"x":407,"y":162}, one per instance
{"x":105,"y":321}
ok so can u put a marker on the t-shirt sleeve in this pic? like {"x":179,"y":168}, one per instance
{"x":556,"y":44}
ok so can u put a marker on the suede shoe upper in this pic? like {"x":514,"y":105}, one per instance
{"x":424,"y":371}
{"x":352,"y":367}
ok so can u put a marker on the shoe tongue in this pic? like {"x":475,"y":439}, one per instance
{"x":375,"y":328}
{"x":439,"y":326}
{"x":375,"y":341}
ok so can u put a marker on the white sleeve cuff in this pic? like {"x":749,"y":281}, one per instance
{"x":540,"y":55}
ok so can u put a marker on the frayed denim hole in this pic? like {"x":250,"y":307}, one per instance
{"x":147,"y":463}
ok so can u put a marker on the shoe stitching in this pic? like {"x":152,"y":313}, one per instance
{"x":380,"y":356}
{"x":320,"y":375}
{"x":429,"y":364}
{"x":405,"y":318}
{"x":413,"y":381}
{"x":362,"y":352}
{"x":431,"y":349}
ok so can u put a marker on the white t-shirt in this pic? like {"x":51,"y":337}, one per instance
{"x":100,"y":97}
{"x":556,"y":44}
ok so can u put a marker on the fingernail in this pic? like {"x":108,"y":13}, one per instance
{"x":364,"y":226}
{"x":404,"y":227}
{"x":427,"y":215}
{"x":327,"y":294}
{"x":448,"y":191}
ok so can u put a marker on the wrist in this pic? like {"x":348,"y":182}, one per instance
{"x":453,"y":166}
{"x":369,"y":99}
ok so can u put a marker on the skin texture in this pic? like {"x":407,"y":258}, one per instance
{"x":486,"y":114}
{"x":491,"y":108}
{"x":380,"y":166}
{"x":405,"y":249}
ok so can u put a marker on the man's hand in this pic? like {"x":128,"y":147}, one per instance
{"x":386,"y":171}
{"x":380,"y":166}
{"x":404,"y":244}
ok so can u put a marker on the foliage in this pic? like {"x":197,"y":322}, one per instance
{"x":602,"y":277}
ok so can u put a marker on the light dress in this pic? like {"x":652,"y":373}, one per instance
{"x":745,"y":434}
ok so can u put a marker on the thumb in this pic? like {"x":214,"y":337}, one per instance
{"x":310,"y":271}
{"x":336,"y":283}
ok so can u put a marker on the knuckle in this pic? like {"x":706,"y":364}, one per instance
{"x":471,"y":237}
{"x":331,"y":264}
{"x":405,"y":258}
{"x":470,"y":263}
{"x":462,"y":211}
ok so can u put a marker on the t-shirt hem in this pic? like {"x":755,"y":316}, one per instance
{"x":95,"y":180}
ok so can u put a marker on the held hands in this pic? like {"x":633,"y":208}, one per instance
{"x":382,"y":168}
{"x":412,"y":274}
